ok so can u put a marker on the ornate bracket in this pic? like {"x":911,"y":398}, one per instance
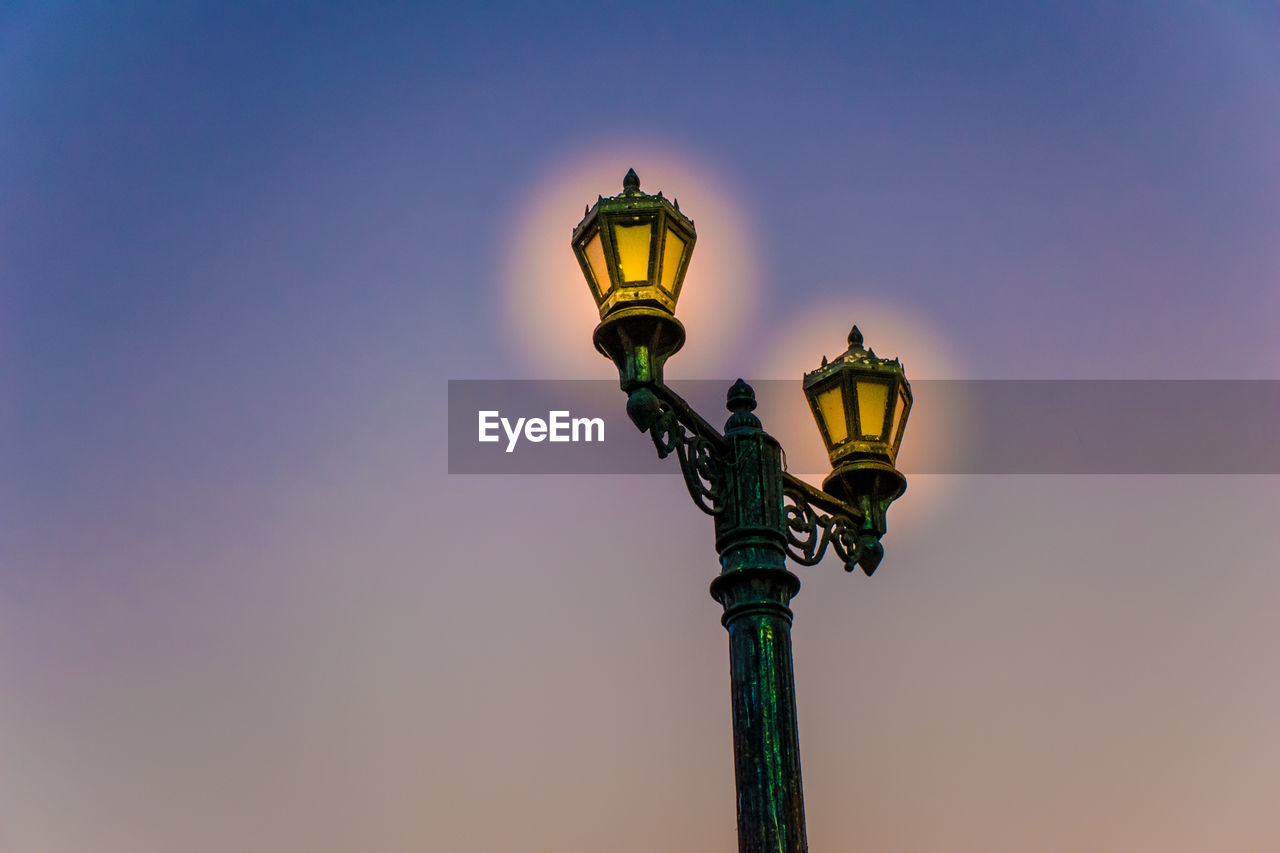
{"x":809,"y":531}
{"x":812,"y":520}
{"x":700,"y":464}
{"x":676,"y":428}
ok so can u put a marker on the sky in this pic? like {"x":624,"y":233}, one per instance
{"x":243,"y":248}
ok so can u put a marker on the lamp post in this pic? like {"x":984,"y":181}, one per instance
{"x":634,"y":250}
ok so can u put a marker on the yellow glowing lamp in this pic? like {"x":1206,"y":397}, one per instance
{"x":861,"y":404}
{"x":634,"y":249}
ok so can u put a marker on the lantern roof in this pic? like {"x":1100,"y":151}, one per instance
{"x":632,"y":198}
{"x":856,"y":355}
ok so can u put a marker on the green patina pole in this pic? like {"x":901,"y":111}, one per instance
{"x":755,"y":588}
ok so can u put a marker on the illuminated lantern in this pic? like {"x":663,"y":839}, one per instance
{"x":861,"y":404}
{"x":634,"y":250}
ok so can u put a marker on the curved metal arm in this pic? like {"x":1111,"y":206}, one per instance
{"x":675,"y":427}
{"x":848,"y":531}
{"x":700,"y":461}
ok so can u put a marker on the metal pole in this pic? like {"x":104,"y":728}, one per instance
{"x":755,"y":589}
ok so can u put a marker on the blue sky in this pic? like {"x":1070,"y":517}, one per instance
{"x":243,"y":247}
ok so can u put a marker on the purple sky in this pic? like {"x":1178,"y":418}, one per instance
{"x":243,"y":607}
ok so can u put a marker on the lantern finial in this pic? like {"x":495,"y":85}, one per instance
{"x":855,"y":339}
{"x":631,"y":183}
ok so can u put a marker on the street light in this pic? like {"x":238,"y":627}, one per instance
{"x":861,"y":404}
{"x":634,"y":250}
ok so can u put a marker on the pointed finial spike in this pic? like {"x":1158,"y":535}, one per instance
{"x":824,"y":361}
{"x":631,"y":182}
{"x":855,"y":338}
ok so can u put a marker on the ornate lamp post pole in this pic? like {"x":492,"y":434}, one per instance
{"x":634,"y":250}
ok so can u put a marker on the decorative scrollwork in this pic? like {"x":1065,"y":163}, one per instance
{"x":812,"y":520}
{"x":809,"y":532}
{"x":699,"y":462}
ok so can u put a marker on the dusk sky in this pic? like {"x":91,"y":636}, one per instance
{"x":245,"y":607}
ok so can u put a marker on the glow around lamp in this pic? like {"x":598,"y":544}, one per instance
{"x":634,"y":250}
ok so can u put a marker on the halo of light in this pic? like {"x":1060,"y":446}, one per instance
{"x":548,"y":308}
{"x":935,"y":430}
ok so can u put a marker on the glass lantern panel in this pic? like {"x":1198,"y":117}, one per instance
{"x":672,"y":251}
{"x":831,"y":406}
{"x":898,"y":412}
{"x":632,"y":242}
{"x":599,"y":269}
{"x":872,"y":399}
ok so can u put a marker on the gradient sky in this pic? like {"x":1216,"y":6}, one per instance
{"x":243,"y":607}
